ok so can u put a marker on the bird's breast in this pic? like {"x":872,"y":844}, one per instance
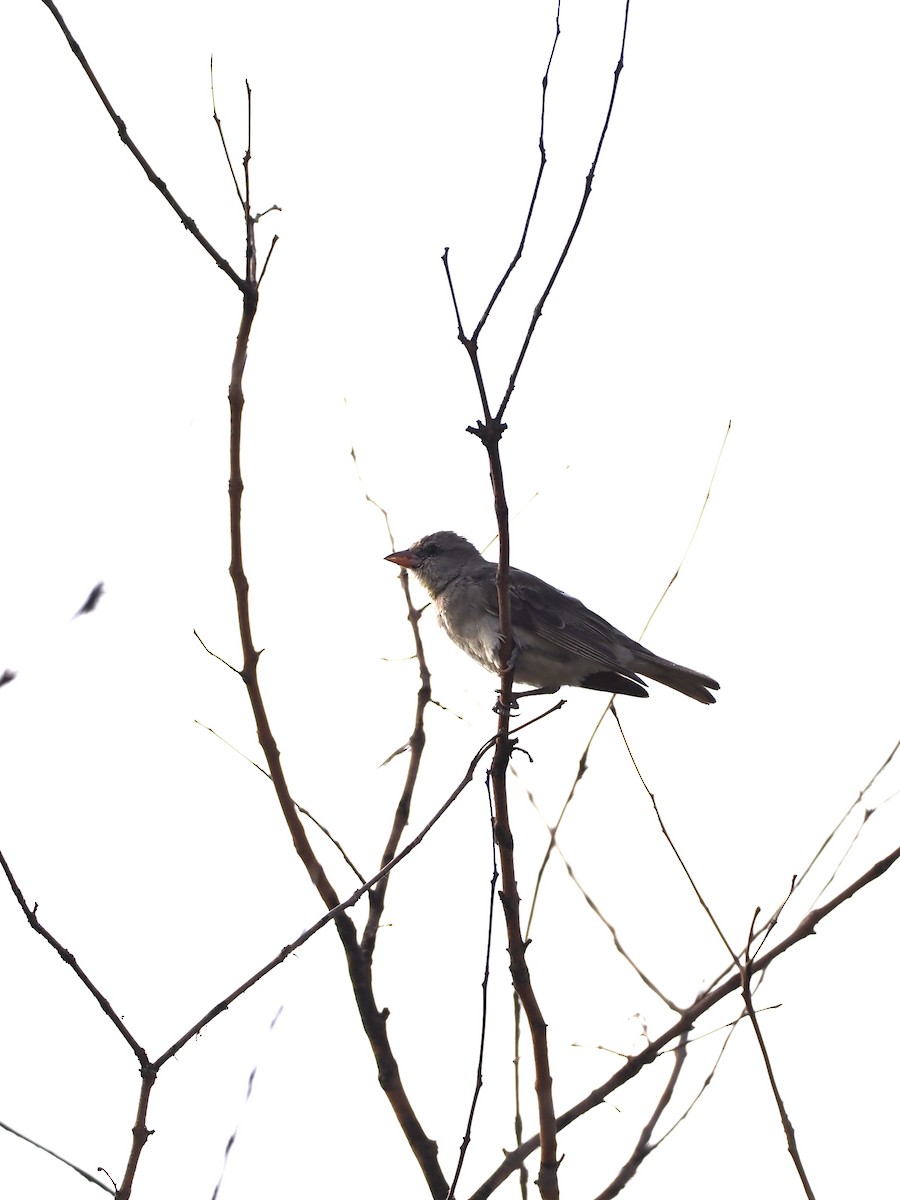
{"x":478,"y":635}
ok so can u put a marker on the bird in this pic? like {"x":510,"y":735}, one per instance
{"x":557,"y":640}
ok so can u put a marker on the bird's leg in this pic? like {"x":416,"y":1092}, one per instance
{"x":508,"y":670}
{"x":517,"y":696}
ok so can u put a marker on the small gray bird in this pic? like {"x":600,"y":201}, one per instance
{"x":557,"y":641}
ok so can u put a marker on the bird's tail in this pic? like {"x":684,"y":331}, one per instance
{"x":682,"y":679}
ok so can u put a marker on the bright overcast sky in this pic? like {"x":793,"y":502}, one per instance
{"x":738,"y":263}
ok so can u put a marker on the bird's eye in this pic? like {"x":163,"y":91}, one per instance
{"x":429,"y":549}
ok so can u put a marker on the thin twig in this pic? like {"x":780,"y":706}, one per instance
{"x":672,"y":845}
{"x":212,"y":90}
{"x":554,"y":829}
{"x":73,"y":1166}
{"x":620,"y":949}
{"x":415,"y":744}
{"x":859,"y":799}
{"x":786,"y":1123}
{"x":217,"y":657}
{"x":798,"y":880}
{"x":595,"y":909}
{"x":708,"y":1000}
{"x":304,"y":812}
{"x":583,"y":761}
{"x":588,"y":186}
{"x":710,"y":1075}
{"x":330,"y":916}
{"x":188,"y":222}
{"x":482,"y":1041}
{"x":70,"y":960}
{"x":691,"y":539}
{"x":644,"y":1146}
{"x":274,"y":243}
{"x":534,"y":195}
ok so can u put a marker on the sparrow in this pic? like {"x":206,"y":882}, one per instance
{"x":557,"y":640}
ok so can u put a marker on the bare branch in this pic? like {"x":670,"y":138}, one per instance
{"x":217,"y":657}
{"x":212,"y":89}
{"x":644,"y":1146}
{"x":69,"y":959}
{"x":272,"y":246}
{"x":416,"y":746}
{"x":668,"y":838}
{"x":324,"y":920}
{"x":46,"y":1149}
{"x":534,"y":195}
{"x":467,"y":1136}
{"x":588,"y":186}
{"x":188,"y":222}
{"x":786,"y":1124}
{"x":585,"y":754}
{"x":489,"y":432}
{"x":708,"y":1000}
{"x":687,"y":549}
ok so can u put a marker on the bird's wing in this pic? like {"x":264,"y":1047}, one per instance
{"x":551,"y":615}
{"x":543,"y":614}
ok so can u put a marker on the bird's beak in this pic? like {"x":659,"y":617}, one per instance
{"x":404,"y":558}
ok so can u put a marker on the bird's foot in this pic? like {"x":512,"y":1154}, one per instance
{"x":500,"y":707}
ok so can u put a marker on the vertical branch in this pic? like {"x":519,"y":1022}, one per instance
{"x":485,"y":979}
{"x":140,"y":1133}
{"x":248,"y":219}
{"x":547,"y":1179}
{"x":378,"y":894}
{"x":358,"y":963}
{"x":249,"y":670}
{"x":415,"y":745}
{"x":489,"y":432}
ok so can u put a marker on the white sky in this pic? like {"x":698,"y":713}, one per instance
{"x":739,"y":262}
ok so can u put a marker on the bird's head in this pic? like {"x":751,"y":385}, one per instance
{"x":437,"y":559}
